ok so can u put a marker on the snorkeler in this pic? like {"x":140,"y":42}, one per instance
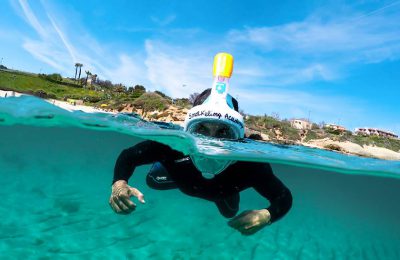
{"x":214,"y":115}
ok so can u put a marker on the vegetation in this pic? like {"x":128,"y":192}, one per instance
{"x":334,"y":147}
{"x":151,"y":101}
{"x":182,"y":103}
{"x":44,"y":86}
{"x":273,"y":127}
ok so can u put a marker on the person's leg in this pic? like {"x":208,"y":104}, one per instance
{"x":229,"y":206}
{"x":159,"y":179}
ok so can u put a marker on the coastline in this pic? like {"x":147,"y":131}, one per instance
{"x":176,"y":115}
{"x":354,"y":149}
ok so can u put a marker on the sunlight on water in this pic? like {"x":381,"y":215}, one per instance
{"x":56,"y":172}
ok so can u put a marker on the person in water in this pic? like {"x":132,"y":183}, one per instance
{"x":218,"y":181}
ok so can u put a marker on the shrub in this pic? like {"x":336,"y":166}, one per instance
{"x":314,"y":126}
{"x":136,"y":93}
{"x":333,"y":131}
{"x":55,"y":77}
{"x":150,"y":101}
{"x":41,"y":93}
{"x":333,"y":147}
{"x":91,"y":99}
{"x":311,"y":135}
{"x":182,"y":102}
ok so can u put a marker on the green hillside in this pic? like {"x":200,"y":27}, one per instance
{"x":44,"y":85}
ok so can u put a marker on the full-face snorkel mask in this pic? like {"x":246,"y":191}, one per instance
{"x":216,"y":116}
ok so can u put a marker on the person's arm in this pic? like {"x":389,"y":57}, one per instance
{"x":270,"y":187}
{"x":261,"y":178}
{"x":143,"y":153}
{"x":140,"y":154}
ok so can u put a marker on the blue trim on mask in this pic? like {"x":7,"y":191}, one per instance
{"x":229,"y":101}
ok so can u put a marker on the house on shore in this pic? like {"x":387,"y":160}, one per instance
{"x":335,"y":127}
{"x":374,"y":131}
{"x":302,"y":124}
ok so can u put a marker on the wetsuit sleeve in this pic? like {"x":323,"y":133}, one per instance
{"x":142,"y":153}
{"x":270,"y":187}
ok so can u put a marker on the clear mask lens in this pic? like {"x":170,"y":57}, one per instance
{"x":214,"y":130}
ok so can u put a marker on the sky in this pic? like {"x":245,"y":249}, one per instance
{"x":329,"y":61}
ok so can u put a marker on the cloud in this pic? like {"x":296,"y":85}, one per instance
{"x":368,"y":38}
{"x":64,"y":39}
{"x":52,"y":44}
{"x":127,"y":70}
{"x":31,"y":18}
{"x":177,"y":71}
{"x":54,"y":48}
{"x":163,"y":21}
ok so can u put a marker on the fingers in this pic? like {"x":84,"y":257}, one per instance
{"x":120,"y":200}
{"x":122,"y":204}
{"x":135,"y":192}
{"x":246,"y":223}
{"x":250,"y":231}
{"x":124,"y":199}
{"x":239,"y":220}
{"x":114,"y":205}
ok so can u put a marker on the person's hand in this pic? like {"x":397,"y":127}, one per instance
{"x":120,"y":200}
{"x":250,"y":221}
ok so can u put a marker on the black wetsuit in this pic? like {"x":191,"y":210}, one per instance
{"x":178,"y":171}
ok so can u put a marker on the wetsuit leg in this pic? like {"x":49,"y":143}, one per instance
{"x":229,"y":206}
{"x":159,"y":179}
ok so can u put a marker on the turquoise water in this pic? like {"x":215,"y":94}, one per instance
{"x":56,"y":171}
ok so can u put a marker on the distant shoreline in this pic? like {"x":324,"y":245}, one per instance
{"x":176,"y":116}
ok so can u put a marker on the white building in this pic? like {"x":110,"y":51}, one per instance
{"x":301,"y":124}
{"x":374,"y":131}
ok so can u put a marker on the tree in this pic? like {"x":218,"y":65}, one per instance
{"x":119,"y":88}
{"x":94,"y":78}
{"x":76,"y":69}
{"x":136,"y":91}
{"x":88,"y":73}
{"x":80,"y":70}
{"x":140,"y":87}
